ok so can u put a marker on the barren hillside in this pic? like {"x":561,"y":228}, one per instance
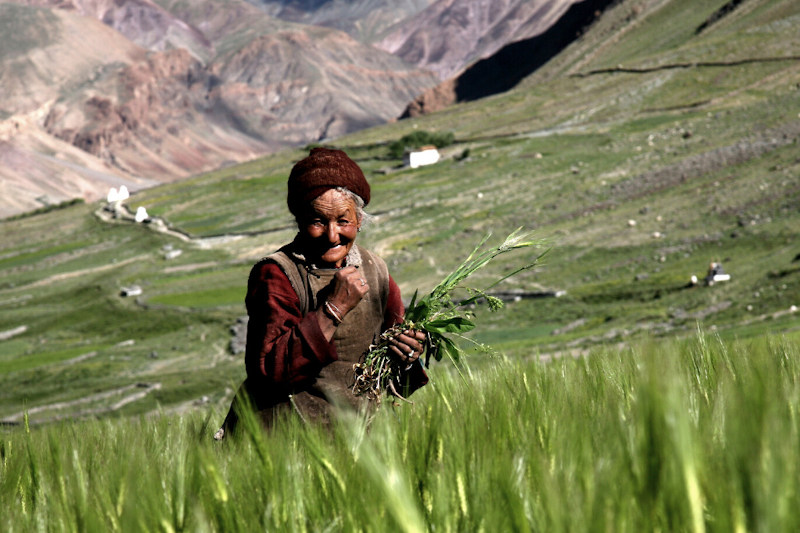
{"x":366,"y":20}
{"x":135,"y":92}
{"x":451,"y":34}
{"x":152,"y":93}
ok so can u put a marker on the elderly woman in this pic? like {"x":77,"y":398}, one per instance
{"x":317,"y":304}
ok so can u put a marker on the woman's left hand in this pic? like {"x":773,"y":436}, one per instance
{"x":407,"y":346}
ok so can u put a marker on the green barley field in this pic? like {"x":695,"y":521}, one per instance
{"x":632,"y":401}
{"x":694,"y":435}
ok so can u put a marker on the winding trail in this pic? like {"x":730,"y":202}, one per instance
{"x":92,"y":270}
{"x":692,"y":64}
{"x":135,"y":392}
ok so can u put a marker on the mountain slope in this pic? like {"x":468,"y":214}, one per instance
{"x":177,"y":88}
{"x":54,"y":52}
{"x":451,"y":34}
{"x":366,"y":20}
{"x":510,"y":63}
{"x":141,"y":21}
{"x":645,"y":150}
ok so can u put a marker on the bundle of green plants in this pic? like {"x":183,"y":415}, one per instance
{"x":439,"y":313}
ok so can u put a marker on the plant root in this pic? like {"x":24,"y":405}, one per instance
{"x":393,"y":391}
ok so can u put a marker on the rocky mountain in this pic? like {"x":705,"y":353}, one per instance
{"x":366,"y":20}
{"x":444,"y":36}
{"x":451,"y":34}
{"x":135,"y":92}
{"x":53,"y":51}
{"x":132,"y":92}
{"x":141,"y":21}
{"x":533,"y":37}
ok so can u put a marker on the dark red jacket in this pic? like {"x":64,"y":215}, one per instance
{"x":285,"y":348}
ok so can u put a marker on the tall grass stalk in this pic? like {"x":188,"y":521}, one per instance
{"x":697,"y":435}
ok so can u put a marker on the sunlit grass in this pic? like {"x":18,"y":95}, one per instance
{"x":213,"y":297}
{"x":568,"y":154}
{"x":699,"y":435}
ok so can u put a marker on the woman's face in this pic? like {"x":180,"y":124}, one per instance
{"x":329,"y":228}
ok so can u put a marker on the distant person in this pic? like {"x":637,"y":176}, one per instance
{"x":715,"y":273}
{"x":317,"y":304}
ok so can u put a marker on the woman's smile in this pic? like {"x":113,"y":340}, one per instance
{"x":330,"y":228}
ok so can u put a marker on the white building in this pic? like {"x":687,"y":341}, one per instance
{"x":117,"y":196}
{"x":133,"y":290}
{"x":427,"y":155}
{"x":141,"y":214}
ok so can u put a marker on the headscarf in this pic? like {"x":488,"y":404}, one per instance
{"x":322,"y":170}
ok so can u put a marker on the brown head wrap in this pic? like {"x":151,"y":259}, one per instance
{"x":322,"y":170}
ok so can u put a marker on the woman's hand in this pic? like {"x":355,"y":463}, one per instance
{"x":349,"y":287}
{"x":408,"y":346}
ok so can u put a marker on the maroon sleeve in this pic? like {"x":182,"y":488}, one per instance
{"x":394,"y":306}
{"x":284,"y":347}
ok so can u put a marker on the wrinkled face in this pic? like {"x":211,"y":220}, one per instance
{"x":329,"y":228}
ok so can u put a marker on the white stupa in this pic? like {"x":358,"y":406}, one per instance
{"x":141,"y":214}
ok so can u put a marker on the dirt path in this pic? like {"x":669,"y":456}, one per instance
{"x":135,"y":391}
{"x":75,"y":273}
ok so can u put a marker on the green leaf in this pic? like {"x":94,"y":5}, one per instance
{"x":413,"y":299}
{"x":447,"y":347}
{"x":418,"y":312}
{"x":456,"y":324}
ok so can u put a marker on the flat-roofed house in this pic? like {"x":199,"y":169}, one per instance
{"x":427,"y":155}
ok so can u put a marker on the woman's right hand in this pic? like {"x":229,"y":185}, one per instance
{"x":349,"y":287}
